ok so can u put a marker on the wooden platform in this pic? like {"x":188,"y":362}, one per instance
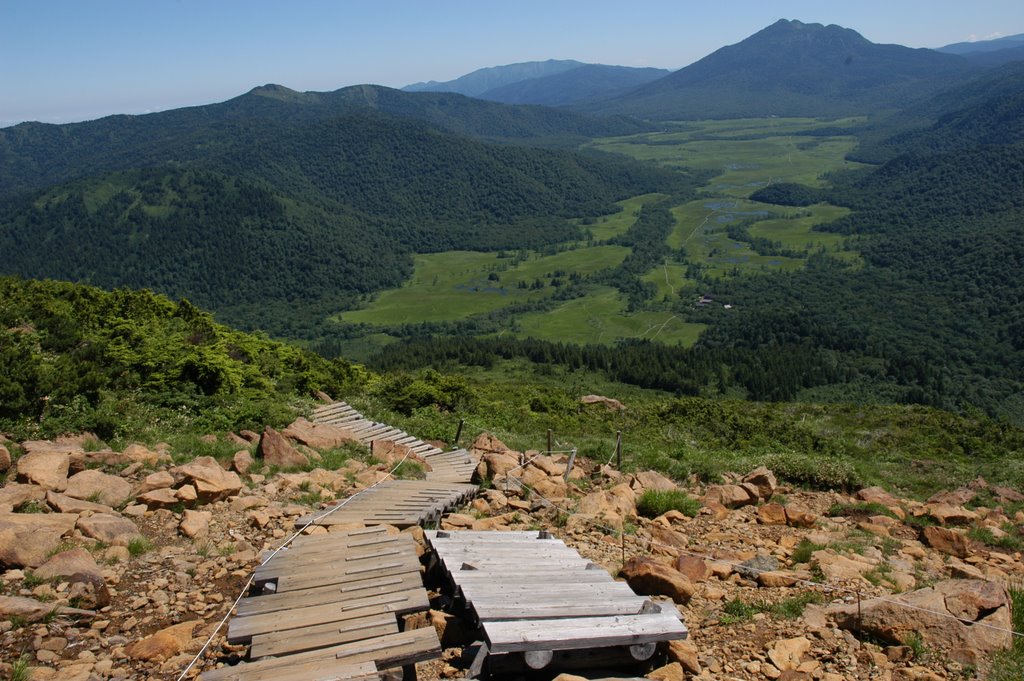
{"x":535,"y":596}
{"x":452,"y":466}
{"x":329,"y":608}
{"x":402,"y":503}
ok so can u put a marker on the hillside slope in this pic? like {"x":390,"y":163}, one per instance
{"x":260,"y":218}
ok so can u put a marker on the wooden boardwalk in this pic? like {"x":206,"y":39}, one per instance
{"x":535,"y":596}
{"x":402,"y":503}
{"x":452,"y":466}
{"x":329,"y":609}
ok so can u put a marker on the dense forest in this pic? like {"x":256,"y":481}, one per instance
{"x":276,"y":224}
{"x":76,"y":358}
{"x":930,"y":314}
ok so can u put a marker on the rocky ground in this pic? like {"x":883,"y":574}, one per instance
{"x":119,"y":565}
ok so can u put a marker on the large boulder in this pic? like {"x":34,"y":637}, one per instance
{"x":195,"y":523}
{"x":32,"y":610}
{"x":613,"y":505}
{"x":764,"y":480}
{"x":110,"y":529}
{"x":652,"y":577}
{"x":141,"y":454}
{"x":319,"y":435}
{"x":5,"y":458}
{"x":947,"y":541}
{"x":15,"y":495}
{"x":654,"y":480}
{"x":610,"y":403}
{"x":276,"y":450}
{"x":99,"y":487}
{"x":164,"y":644}
{"x":46,"y":468}
{"x":158,"y":480}
{"x":212,"y":482}
{"x":730,"y":496}
{"x":68,"y":563}
{"x":62,"y":503}
{"x":154,"y":499}
{"x":26,"y":547}
{"x":944,"y":616}
{"x":494,"y":464}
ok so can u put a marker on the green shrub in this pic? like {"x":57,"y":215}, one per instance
{"x":654,"y":502}
{"x":804,"y":550}
{"x":862,"y":508}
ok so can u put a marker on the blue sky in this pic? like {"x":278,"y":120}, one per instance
{"x":68,"y":60}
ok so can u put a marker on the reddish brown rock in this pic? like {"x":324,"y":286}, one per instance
{"x":608,"y":402}
{"x":950,"y":515}
{"x":957,"y":497}
{"x":654,"y":578}
{"x":786,"y":654}
{"x":212,"y":482}
{"x":933,"y":614}
{"x":32,"y":610}
{"x":158,"y":480}
{"x":276,"y":450}
{"x":648,"y":480}
{"x":764,"y":480}
{"x":27,"y":547}
{"x":93,"y":485}
{"x":614,"y":504}
{"x":684,"y":653}
{"x":144,"y":455}
{"x":771,"y":514}
{"x":109,"y":529}
{"x":46,"y":468}
{"x":67,"y":563}
{"x":947,"y":541}
{"x":729,"y":496}
{"x":692,"y":567}
{"x":799,"y":518}
{"x":195,"y":523}
{"x":164,"y":644}
{"x":242,"y":462}
{"x":5,"y":458}
{"x":165,"y":497}
{"x":15,"y":495}
{"x":65,"y":504}
{"x":318,"y":435}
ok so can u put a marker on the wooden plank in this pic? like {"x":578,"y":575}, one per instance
{"x":582,"y":632}
{"x":488,"y":612}
{"x":327,"y":671}
{"x":531,"y":575}
{"x":342,"y":555}
{"x":394,"y":650}
{"x":322,"y":636}
{"x":325,"y":577}
{"x":243,"y":628}
{"x":318,"y":595}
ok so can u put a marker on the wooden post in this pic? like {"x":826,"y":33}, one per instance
{"x":618,"y":449}
{"x":568,"y":466}
{"x":371,"y":448}
{"x":458,"y":433}
{"x":549,"y":441}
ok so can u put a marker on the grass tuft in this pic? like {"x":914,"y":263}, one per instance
{"x":653,"y":503}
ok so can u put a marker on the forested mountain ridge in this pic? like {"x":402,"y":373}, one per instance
{"x":793,"y":69}
{"x":589,"y":82}
{"x":479,"y":81}
{"x":37,"y":155}
{"x":549,"y":83}
{"x":260,"y":217}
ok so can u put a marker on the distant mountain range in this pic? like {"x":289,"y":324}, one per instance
{"x":993,"y":45}
{"x":990,"y":52}
{"x":793,"y":69}
{"x":548,"y":83}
